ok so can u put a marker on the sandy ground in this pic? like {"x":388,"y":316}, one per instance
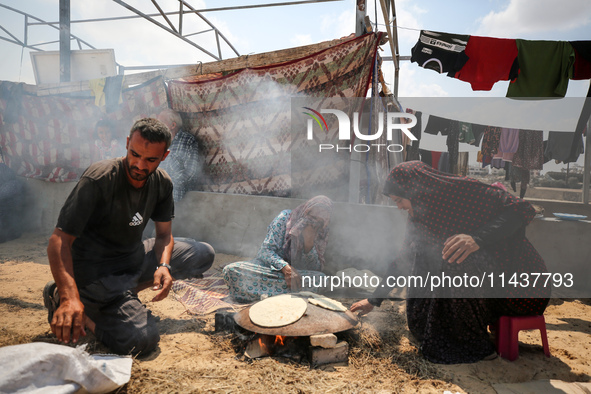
{"x":383,"y":357}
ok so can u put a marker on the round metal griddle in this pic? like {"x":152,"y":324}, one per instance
{"x":315,"y":321}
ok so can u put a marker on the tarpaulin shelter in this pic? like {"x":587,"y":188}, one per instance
{"x":47,"y":131}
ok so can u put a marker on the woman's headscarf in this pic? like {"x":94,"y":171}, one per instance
{"x":299,"y":220}
{"x":449,"y":204}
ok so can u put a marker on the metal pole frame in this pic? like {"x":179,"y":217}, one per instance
{"x":387,"y":7}
{"x":65,"y":53}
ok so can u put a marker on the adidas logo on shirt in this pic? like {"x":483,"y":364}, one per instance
{"x":137,"y":220}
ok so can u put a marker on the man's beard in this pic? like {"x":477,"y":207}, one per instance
{"x":134,"y":175}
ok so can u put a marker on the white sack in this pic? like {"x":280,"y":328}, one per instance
{"x":43,"y":367}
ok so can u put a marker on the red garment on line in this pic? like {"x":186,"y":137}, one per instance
{"x":490,"y":60}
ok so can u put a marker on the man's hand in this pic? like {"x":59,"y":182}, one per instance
{"x":458,"y":247}
{"x":68,"y":321}
{"x":292,"y":277}
{"x":163,"y":282}
{"x":163,"y":246}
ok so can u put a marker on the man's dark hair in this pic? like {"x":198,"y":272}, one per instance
{"x":152,"y":130}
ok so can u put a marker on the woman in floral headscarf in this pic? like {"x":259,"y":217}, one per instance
{"x":294,"y":247}
{"x":459,"y":226}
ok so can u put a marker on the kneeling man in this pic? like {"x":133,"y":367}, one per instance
{"x":96,"y":254}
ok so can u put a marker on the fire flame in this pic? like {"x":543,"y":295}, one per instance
{"x":263,"y":346}
{"x":267,"y":345}
{"x":279,"y":340}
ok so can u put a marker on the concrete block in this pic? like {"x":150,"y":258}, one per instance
{"x":320,"y":356}
{"x":324,"y":340}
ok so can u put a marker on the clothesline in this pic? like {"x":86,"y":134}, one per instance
{"x":525,"y":148}
{"x":400,"y":27}
{"x":536,"y":68}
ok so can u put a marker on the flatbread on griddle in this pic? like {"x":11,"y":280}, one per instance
{"x":327,"y":303}
{"x":307,"y":294}
{"x":278,"y":311}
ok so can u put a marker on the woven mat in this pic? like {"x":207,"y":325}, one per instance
{"x":204,"y":296}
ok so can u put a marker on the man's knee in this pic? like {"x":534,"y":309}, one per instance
{"x":136,"y":342}
{"x":145,"y":341}
{"x":208,"y":254}
{"x":191,"y":258}
{"x":124,"y":325}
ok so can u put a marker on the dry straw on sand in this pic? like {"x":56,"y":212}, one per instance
{"x":383,"y":357}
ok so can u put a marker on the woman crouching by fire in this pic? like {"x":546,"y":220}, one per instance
{"x":293,"y":248}
{"x":459,"y":227}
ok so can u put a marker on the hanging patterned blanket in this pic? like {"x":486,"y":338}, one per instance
{"x":242,"y":121}
{"x":52,"y":137}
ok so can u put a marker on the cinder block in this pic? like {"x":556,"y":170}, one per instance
{"x":324,"y":340}
{"x":320,"y":356}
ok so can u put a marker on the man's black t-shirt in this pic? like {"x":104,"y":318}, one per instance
{"x":108,"y":215}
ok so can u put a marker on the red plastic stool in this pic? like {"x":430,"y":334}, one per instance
{"x":507,"y":332}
